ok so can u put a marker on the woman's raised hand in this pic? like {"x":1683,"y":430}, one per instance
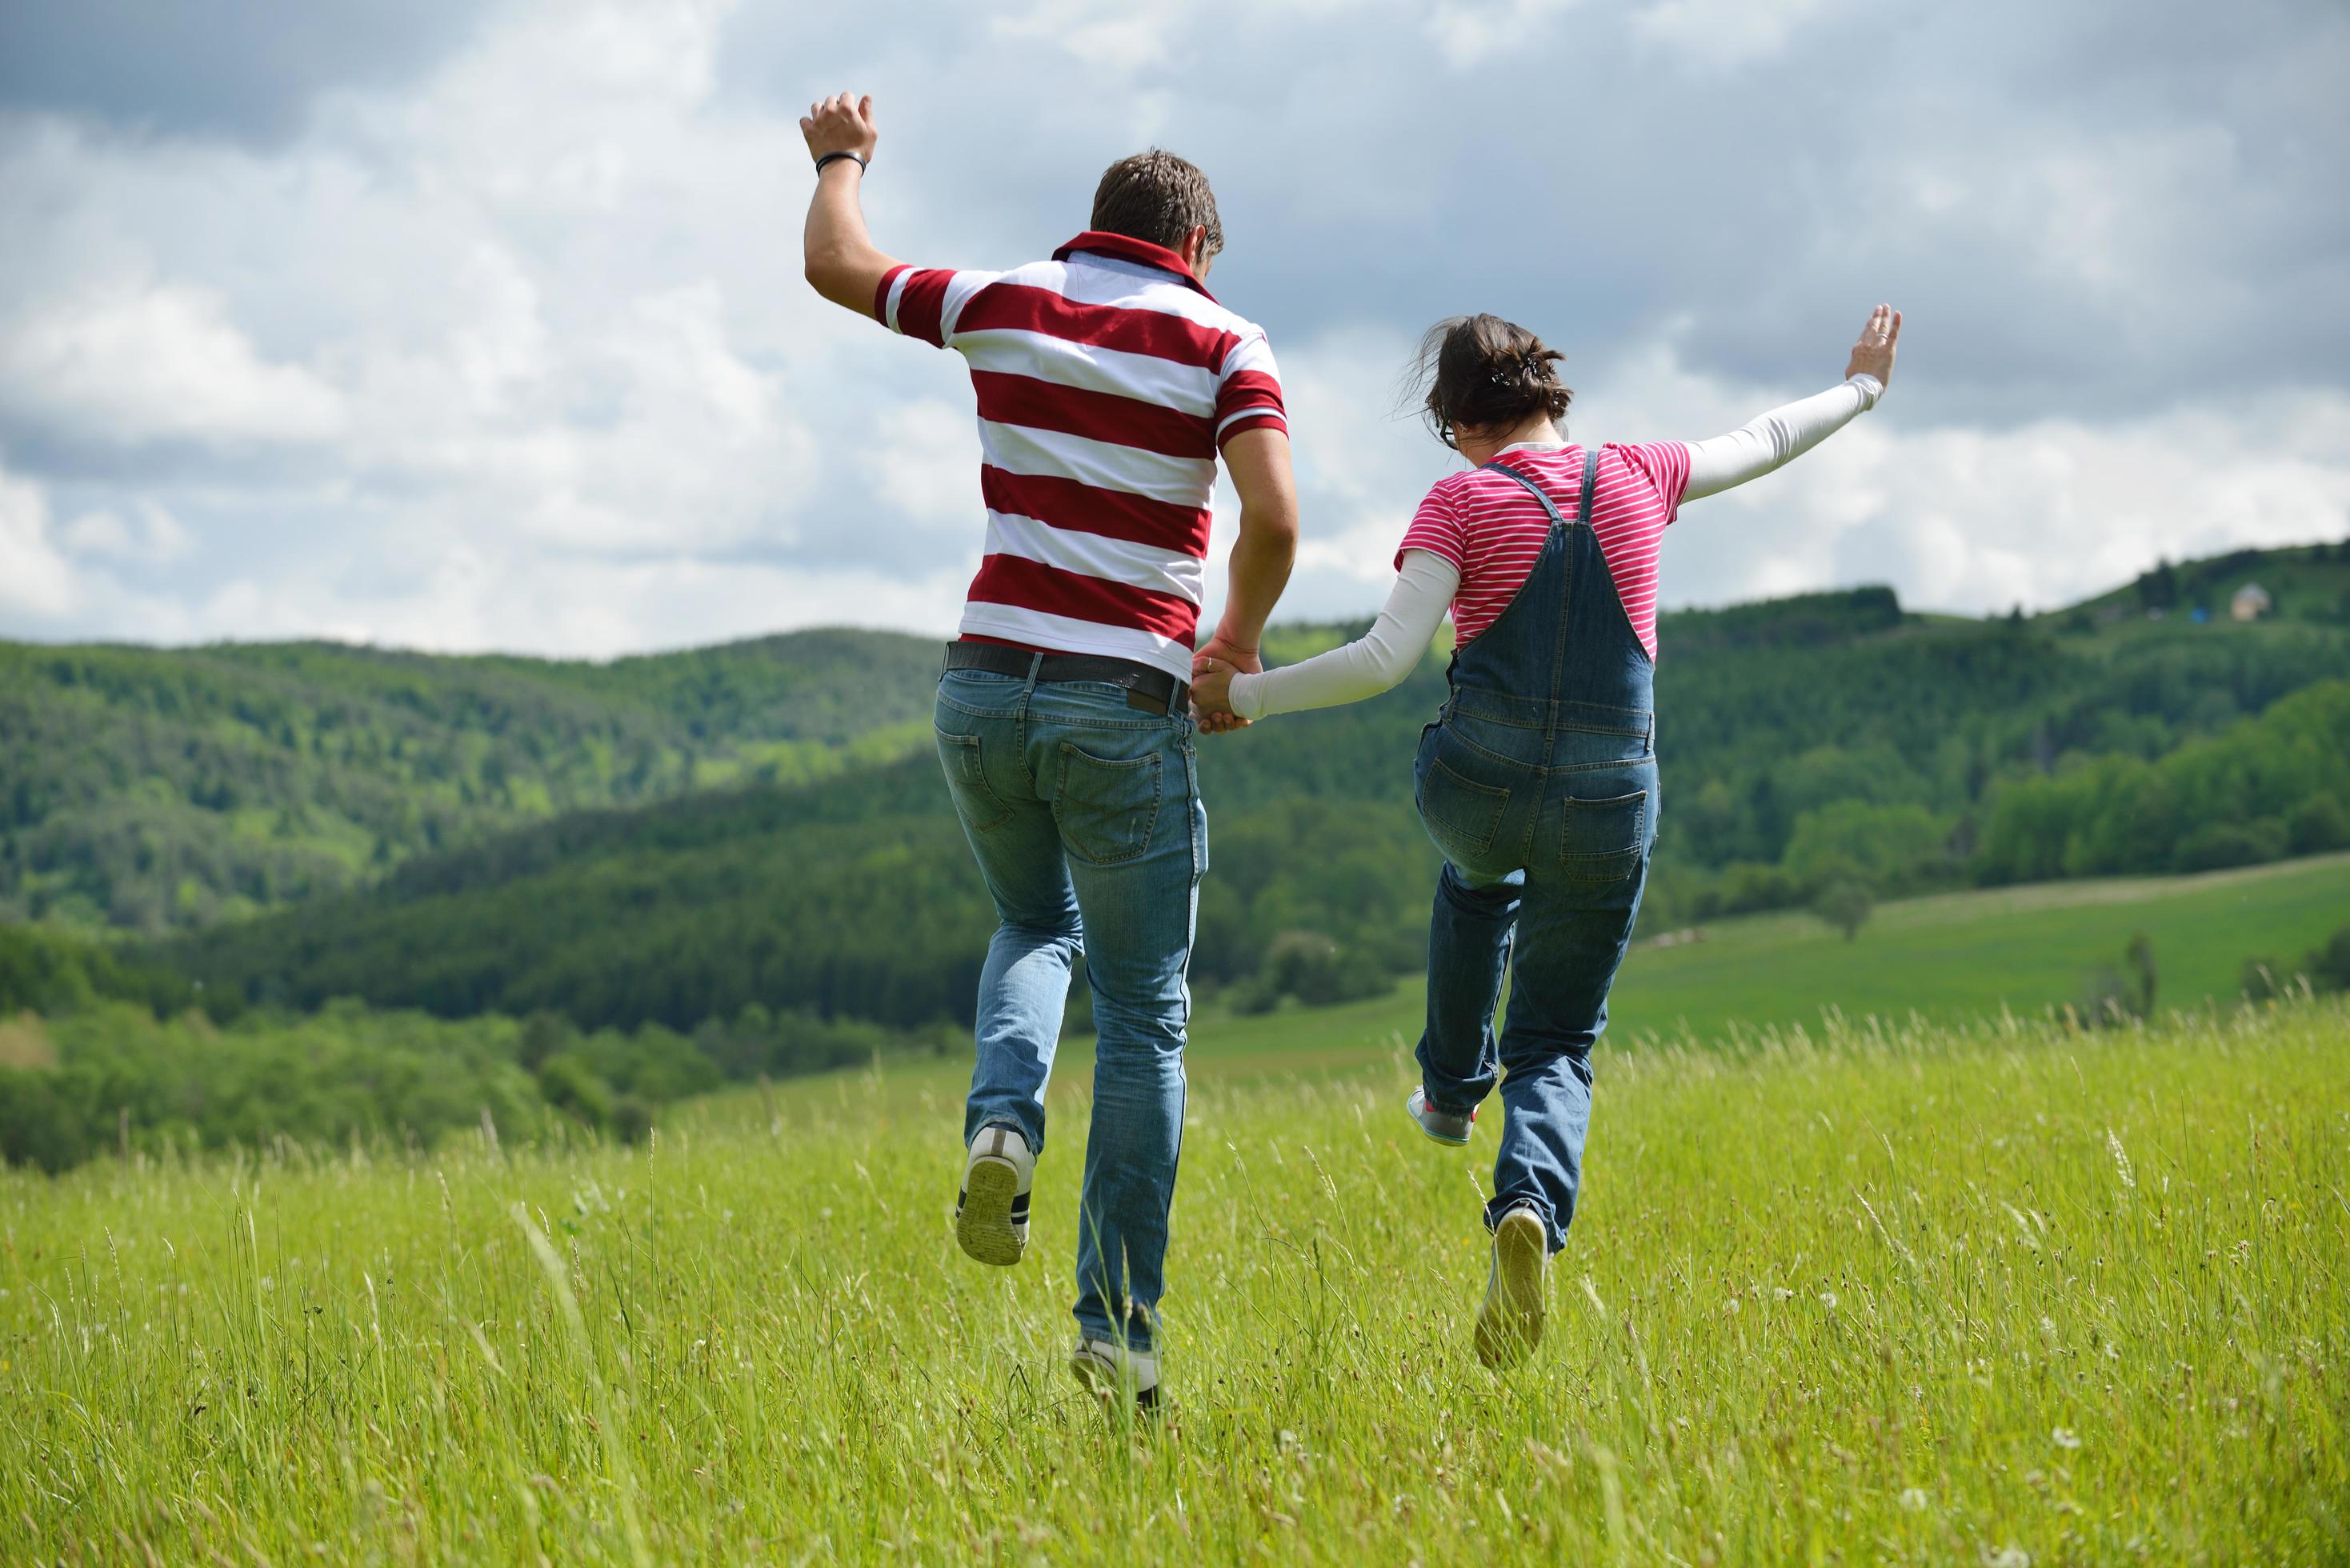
{"x":1873,"y":355}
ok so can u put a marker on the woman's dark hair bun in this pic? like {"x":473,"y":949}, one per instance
{"x":1483,"y":373}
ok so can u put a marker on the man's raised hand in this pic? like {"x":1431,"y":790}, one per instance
{"x":1873,"y":353}
{"x":841,"y":123}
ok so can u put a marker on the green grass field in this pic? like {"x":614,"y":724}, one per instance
{"x":2018,"y":1293}
{"x":1947,"y":959}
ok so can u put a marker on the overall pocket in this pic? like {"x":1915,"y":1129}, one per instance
{"x":1603,"y":839}
{"x":1108,"y":808}
{"x":1464,"y":814}
{"x":975,"y":801}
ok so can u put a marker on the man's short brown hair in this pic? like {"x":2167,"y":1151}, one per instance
{"x":1158,"y":197}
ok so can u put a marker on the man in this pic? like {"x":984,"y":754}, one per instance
{"x":1108,"y":379}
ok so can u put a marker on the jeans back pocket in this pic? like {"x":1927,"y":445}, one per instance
{"x":1603,"y":839}
{"x":1108,"y":808}
{"x":1462,"y":815}
{"x":975,"y":801}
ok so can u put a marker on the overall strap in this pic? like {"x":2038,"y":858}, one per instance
{"x":1539,"y":492}
{"x":1590,"y":479}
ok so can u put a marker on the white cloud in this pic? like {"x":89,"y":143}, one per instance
{"x":36,"y":581}
{"x":153,"y":535}
{"x":1971,"y":518}
{"x":471,"y":599}
{"x":1111,"y":35}
{"x":1959,"y":518}
{"x":1720,"y":34}
{"x":924,"y":461}
{"x":132,"y":365}
{"x":1469,"y":33}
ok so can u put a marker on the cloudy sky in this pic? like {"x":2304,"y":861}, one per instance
{"x":469,"y":326}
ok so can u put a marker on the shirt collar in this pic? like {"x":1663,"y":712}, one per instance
{"x":1124,"y":247}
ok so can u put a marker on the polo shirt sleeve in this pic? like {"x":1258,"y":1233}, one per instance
{"x":1436,"y":528}
{"x":925,"y":302}
{"x":1665,"y":465}
{"x":1248,"y":390}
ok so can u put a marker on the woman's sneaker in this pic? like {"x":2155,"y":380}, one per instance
{"x":1113,"y":1374}
{"x":991,"y":1210}
{"x":1510,"y":1324}
{"x":1442,"y":1126}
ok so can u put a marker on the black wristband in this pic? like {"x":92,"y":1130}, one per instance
{"x":862,"y":163}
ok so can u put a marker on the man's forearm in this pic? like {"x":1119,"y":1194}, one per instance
{"x":842,"y":261}
{"x":1260,"y":564}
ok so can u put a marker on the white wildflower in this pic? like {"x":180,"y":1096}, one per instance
{"x":2008,"y":1557}
{"x":2065,"y":1438}
{"x":1914,"y":1498}
{"x":2121,"y":1160}
{"x":1827,"y":1300}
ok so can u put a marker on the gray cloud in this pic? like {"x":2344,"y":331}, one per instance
{"x":485,"y":328}
{"x":248,"y":69}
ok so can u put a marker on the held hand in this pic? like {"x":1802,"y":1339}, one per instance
{"x":841,"y":123}
{"x":1212,"y":670}
{"x":1873,"y":355}
{"x":1212,"y":691}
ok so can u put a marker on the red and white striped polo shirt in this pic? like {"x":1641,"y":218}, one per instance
{"x":1108,"y":379}
{"x":1492,"y":530}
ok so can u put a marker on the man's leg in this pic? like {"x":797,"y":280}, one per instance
{"x":1469,"y":938}
{"x":1137,"y":842}
{"x":1024,"y":987}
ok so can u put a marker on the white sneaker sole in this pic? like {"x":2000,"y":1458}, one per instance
{"x":983,"y":1225}
{"x":1510,"y":1324}
{"x":1102,"y":1381}
{"x":1411,"y":1107}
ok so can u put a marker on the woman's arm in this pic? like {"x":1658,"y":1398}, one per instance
{"x":1777,"y":438}
{"x":1375,"y":662}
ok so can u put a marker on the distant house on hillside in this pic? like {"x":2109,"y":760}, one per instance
{"x":2250,"y":602}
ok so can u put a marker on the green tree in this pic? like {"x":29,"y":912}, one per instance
{"x":1846,"y":905}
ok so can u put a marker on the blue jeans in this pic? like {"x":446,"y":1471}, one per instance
{"x":1084,"y":816}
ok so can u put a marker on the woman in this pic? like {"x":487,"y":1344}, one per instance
{"x":1538,"y":780}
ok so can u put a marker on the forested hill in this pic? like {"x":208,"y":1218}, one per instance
{"x":150,"y":787}
{"x":1829,"y":741}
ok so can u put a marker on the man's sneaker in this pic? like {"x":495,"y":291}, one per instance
{"x":991,"y":1210}
{"x":1442,"y":1126}
{"x":1113,"y":1374}
{"x":1510,"y":1324}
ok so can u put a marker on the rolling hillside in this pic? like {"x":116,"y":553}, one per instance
{"x":1808,"y":743}
{"x":151,"y":788}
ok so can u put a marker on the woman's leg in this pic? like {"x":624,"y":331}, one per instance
{"x":1571,"y":938}
{"x":1468,"y":951}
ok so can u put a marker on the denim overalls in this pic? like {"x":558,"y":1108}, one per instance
{"x":1538,"y":782}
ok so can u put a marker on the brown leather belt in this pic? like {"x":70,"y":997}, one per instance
{"x":1152,"y":691}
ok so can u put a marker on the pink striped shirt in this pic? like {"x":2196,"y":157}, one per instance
{"x":1492,"y":531}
